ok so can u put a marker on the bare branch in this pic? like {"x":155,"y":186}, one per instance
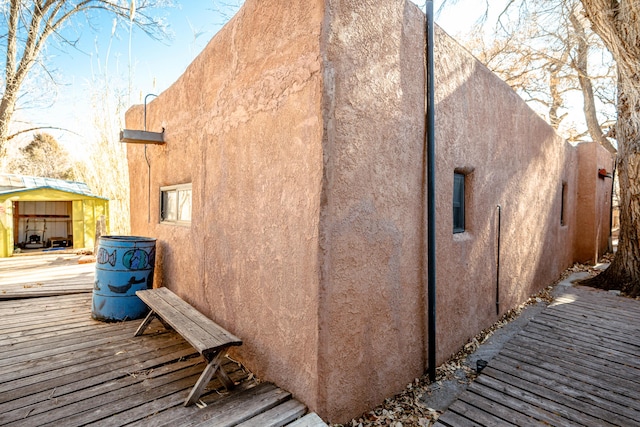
{"x":31,"y":24}
{"x":580,"y":64}
{"x":33,"y":129}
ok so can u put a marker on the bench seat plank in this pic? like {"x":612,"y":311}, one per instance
{"x":200,"y":331}
{"x":210,"y":339}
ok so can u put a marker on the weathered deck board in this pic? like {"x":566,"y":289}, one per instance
{"x":601,"y":369}
{"x":44,"y":275}
{"x":554,"y":395}
{"x":278,"y":416}
{"x":577,"y":363}
{"x":498,"y":409}
{"x":600,"y":399}
{"x":539,"y":414}
{"x":107,"y":377}
{"x":628,"y":343}
{"x":61,"y":386}
{"x":309,"y":420}
{"x":588,"y":380}
{"x":60,"y":367}
{"x":236,"y":408}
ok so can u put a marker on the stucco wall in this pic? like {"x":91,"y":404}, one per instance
{"x":301,"y":129}
{"x":243,"y":125}
{"x":594,"y":199}
{"x":371,"y":298}
{"x":513,"y":159}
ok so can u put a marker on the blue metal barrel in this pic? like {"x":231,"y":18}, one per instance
{"x":124,"y":265}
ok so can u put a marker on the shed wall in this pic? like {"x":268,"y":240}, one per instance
{"x":6,"y":229}
{"x":85,"y":211}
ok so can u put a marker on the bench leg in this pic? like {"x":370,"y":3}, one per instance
{"x":167,"y":326}
{"x":212,"y":367}
{"x":224,"y":379}
{"x":145,"y":323}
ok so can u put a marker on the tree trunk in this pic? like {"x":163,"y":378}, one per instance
{"x":7,"y":107}
{"x":580,"y":64}
{"x":624,"y":271}
{"x":616,"y":22}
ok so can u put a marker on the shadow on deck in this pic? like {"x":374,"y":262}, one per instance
{"x":575,"y":364}
{"x":58,"y":366}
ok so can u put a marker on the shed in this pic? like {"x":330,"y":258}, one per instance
{"x":47,"y":213}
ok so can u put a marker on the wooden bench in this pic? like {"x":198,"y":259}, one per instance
{"x":211,"y":340}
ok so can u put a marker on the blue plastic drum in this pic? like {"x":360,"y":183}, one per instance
{"x":124,"y":265}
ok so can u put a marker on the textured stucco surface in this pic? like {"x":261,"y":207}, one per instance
{"x":243,"y":125}
{"x":371,"y":316}
{"x":594,"y":200}
{"x":301,"y":129}
{"x":513,"y":159}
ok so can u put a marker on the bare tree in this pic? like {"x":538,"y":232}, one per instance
{"x":225,"y":9}
{"x":618,"y":25}
{"x":542,"y":50}
{"x":29,"y":24}
{"x":106,"y":171}
{"x":580,"y":63}
{"x":43,"y":156}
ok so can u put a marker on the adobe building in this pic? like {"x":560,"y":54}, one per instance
{"x":289,"y":198}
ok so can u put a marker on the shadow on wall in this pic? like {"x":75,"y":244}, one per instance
{"x":158,"y":276}
{"x":512,"y":158}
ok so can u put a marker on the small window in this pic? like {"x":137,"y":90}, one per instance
{"x":458,"y":203}
{"x":175,"y":204}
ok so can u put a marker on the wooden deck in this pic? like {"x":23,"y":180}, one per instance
{"x":60,"y":367}
{"x":575,"y":364}
{"x":44,"y":275}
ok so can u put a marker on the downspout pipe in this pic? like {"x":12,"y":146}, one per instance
{"x":147,"y":159}
{"x":431,"y":191}
{"x":498,"y":260}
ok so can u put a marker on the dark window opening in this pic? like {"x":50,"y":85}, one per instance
{"x":458,"y":203}
{"x":175,"y":204}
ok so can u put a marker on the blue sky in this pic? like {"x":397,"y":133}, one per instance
{"x":99,"y":52}
{"x":155,"y":64}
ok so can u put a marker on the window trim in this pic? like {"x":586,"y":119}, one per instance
{"x":177,"y":188}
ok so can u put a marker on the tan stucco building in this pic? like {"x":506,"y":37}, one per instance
{"x":289,"y":198}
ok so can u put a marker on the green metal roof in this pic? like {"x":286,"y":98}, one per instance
{"x":10,"y":184}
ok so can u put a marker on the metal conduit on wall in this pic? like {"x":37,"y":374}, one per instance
{"x":431,"y":190}
{"x":147,"y":159}
{"x":499,"y":208}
